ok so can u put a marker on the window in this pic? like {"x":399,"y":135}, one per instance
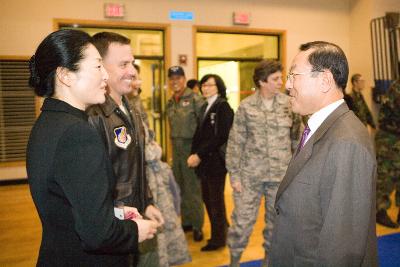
{"x":17,"y":110}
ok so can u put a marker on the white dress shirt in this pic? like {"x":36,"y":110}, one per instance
{"x":318,"y":117}
{"x":210,"y":101}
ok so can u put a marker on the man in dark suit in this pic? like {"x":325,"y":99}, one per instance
{"x":325,"y":204}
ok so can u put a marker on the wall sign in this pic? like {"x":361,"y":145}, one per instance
{"x":181,"y":15}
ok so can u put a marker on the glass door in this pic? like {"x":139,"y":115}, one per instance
{"x":148,"y":49}
{"x":233,"y":56}
{"x":236,"y":74}
{"x":153,"y":96}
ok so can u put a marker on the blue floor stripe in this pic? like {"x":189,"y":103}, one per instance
{"x":388,"y":251}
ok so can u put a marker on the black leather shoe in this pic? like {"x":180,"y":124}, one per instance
{"x":187,"y":228}
{"x":197,"y":235}
{"x":383,"y":218}
{"x":211,"y":247}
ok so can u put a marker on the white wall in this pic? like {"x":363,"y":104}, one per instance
{"x":380,"y":7}
{"x":24,"y":23}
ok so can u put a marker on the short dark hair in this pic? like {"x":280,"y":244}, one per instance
{"x":63,"y":48}
{"x":218,"y":82}
{"x":265,"y":68}
{"x":355,"y":78}
{"x":328,"y":56}
{"x":102,"y":41}
{"x":192,"y":83}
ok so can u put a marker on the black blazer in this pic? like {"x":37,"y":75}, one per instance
{"x":71,"y":182}
{"x":212,"y":133}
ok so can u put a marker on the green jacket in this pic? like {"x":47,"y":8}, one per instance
{"x":184,"y":115}
{"x":361,"y":109}
{"x":389,"y":114}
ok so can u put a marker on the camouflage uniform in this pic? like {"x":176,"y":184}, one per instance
{"x":388,"y":148}
{"x":184,"y":116}
{"x":259,"y":149}
{"x":360,"y":108}
{"x":172,"y":247}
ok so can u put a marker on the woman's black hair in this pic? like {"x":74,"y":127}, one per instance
{"x":218,"y":82}
{"x":63,"y":48}
{"x":192,"y":83}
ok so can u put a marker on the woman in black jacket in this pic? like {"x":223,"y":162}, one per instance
{"x":208,"y":156}
{"x":70,"y":176}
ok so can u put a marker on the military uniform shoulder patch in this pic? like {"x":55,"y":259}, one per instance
{"x":185,"y":103}
{"x":122,"y":138}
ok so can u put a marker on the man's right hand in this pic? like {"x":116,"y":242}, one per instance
{"x":146,"y":229}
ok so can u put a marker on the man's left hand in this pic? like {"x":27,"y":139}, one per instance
{"x":193,"y":160}
{"x":155,"y":215}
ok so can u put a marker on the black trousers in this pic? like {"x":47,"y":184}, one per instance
{"x":212,"y":189}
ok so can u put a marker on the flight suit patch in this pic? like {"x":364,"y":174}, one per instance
{"x":185,"y":103}
{"x":122,"y":138}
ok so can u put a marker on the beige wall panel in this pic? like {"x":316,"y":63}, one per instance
{"x":25,"y":22}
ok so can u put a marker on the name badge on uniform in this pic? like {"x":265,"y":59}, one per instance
{"x":122,"y":138}
{"x":212,"y":118}
{"x":185,"y":103}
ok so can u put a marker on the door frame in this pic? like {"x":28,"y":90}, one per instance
{"x":166,"y":28}
{"x":239,"y":30}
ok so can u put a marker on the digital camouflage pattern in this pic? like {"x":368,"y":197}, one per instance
{"x":260,"y":146}
{"x":388,"y":147}
{"x":261,"y":141}
{"x":172,"y":248}
{"x":360,"y":108}
{"x":172,"y":245}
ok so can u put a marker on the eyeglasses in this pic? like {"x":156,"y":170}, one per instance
{"x":208,"y":85}
{"x":291,"y":75}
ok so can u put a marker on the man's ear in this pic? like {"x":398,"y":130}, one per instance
{"x":64,"y":76}
{"x":327,"y":81}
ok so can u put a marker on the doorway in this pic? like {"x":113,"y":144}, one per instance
{"x":233,"y":54}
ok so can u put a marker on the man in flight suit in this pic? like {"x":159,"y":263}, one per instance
{"x":183,"y":111}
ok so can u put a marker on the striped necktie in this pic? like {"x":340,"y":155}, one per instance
{"x":306,"y":132}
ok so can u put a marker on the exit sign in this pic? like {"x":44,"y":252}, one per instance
{"x":241,"y":18}
{"x":113,"y":10}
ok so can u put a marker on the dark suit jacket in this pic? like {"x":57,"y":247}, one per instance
{"x":210,"y":135}
{"x":71,"y":181}
{"x":326,"y":202}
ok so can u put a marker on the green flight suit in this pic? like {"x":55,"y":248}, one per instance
{"x":183,"y":117}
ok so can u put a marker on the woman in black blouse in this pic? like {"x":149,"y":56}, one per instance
{"x":69,"y":174}
{"x":208,"y":156}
